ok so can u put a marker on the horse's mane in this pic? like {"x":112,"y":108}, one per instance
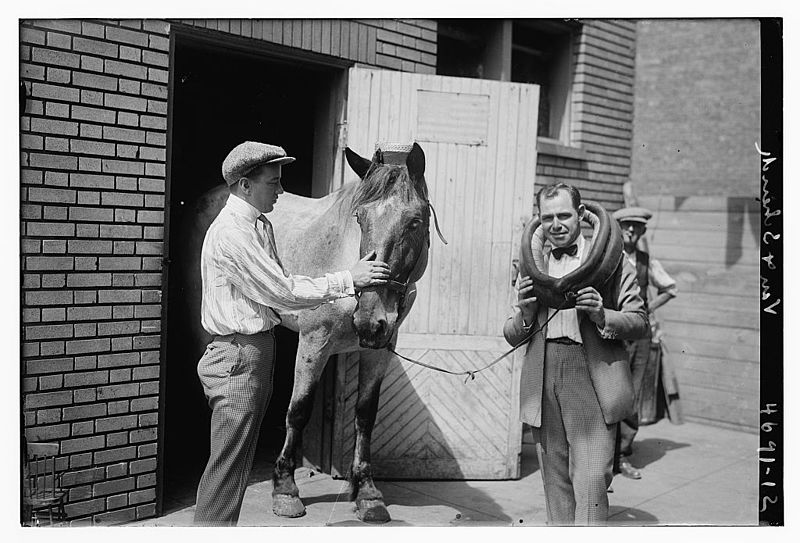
{"x":387,"y":179}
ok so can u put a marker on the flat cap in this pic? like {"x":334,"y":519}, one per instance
{"x":248,"y":155}
{"x":633,"y":214}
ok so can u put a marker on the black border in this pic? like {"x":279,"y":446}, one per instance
{"x":770,"y":156}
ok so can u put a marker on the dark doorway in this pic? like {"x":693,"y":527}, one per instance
{"x":223,"y":96}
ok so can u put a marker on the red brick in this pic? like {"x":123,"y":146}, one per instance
{"x":148,"y":280}
{"x":31,"y":142}
{"x":85,"y":263}
{"x":92,"y":29}
{"x":53,"y":126}
{"x":115,"y":455}
{"x":144,"y":404}
{"x":146,"y":511}
{"x":83,"y":444}
{"x":124,"y":247}
{"x":83,"y":508}
{"x":156,"y":138}
{"x":85,"y":395}
{"x":88,"y":346}
{"x":141,"y":496}
{"x":88,"y":279}
{"x":84,"y":428}
{"x":85,"y":329}
{"x":54,"y":246}
{"x":120,"y":231}
{"x":94,"y":114}
{"x":50,"y":382}
{"x":48,"y":399}
{"x":117,"y":439}
{"x":48,"y":416}
{"x":49,"y":365}
{"x":47,"y":433}
{"x":59,"y":162}
{"x":86,"y":297}
{"x":115,"y":502}
{"x":146,"y":480}
{"x":85,"y":362}
{"x":55,"y":280}
{"x":118,"y":391}
{"x":85,"y":246}
{"x":53,"y":213}
{"x":148,"y":449}
{"x":30,"y":35}
{"x":87,"y":230}
{"x":115,"y":423}
{"x":120,"y":376}
{"x":55,"y":58}
{"x":127,"y":36}
{"x":125,"y":216}
{"x":94,"y":81}
{"x":118,"y":328}
{"x":119,"y":101}
{"x":148,"y":419}
{"x":126,"y":69}
{"x":49,"y":331}
{"x":132,"y":54}
{"x":88,"y":378}
{"x":91,"y":64}
{"x":122,"y":199}
{"x":96,"y":47}
{"x":82,"y":477}
{"x":50,"y":263}
{"x":31,"y":315}
{"x":81,"y":460}
{"x":146,"y":372}
{"x":130,"y":86}
{"x":51,"y":314}
{"x":96,"y":312}
{"x":51,"y":348}
{"x":119,"y":516}
{"x":94,"y":98}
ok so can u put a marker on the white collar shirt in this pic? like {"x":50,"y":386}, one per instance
{"x":565,"y":323}
{"x":244,"y":285}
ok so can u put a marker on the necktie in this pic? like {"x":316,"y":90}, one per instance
{"x":268,"y":240}
{"x":558,"y":252}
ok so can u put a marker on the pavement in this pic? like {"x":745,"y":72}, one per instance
{"x":692,"y":474}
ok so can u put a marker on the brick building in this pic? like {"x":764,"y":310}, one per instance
{"x":698,"y":104}
{"x":125,"y":123}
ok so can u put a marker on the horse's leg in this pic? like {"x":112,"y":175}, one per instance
{"x":310,"y":362}
{"x":369,"y":500}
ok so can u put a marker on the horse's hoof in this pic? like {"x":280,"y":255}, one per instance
{"x":284,"y":505}
{"x":372,"y":511}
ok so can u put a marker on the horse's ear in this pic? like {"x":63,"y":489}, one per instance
{"x":359,"y":164}
{"x":416,"y":162}
{"x":377,"y":158}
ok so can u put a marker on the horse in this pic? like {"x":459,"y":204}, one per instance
{"x":387,"y":211}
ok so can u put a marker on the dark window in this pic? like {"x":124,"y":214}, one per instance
{"x":542,"y":54}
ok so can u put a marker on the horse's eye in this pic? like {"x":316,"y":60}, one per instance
{"x":414,"y":223}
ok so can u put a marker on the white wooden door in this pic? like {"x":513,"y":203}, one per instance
{"x":479,"y":139}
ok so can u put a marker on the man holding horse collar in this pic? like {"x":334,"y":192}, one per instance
{"x":244,"y":283}
{"x":575,"y":382}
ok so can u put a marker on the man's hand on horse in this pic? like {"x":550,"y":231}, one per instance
{"x":526,"y":299}
{"x":590,"y":302}
{"x":369,"y":272}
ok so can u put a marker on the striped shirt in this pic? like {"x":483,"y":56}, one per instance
{"x":243,"y":285}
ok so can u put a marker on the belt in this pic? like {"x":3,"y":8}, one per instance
{"x":562,"y":341}
{"x":228,"y":338}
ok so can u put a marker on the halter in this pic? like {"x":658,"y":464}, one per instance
{"x":419,"y":265}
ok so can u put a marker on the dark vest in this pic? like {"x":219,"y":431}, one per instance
{"x":642,"y":273}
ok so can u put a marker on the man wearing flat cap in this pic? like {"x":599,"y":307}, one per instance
{"x":633,"y":222}
{"x":244,"y":283}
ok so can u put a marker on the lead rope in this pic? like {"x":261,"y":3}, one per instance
{"x":471,"y":373}
{"x":436,"y":223}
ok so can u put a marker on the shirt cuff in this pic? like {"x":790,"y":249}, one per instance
{"x":345,"y":281}
{"x":605,"y":332}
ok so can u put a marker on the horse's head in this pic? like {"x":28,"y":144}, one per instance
{"x":391,"y":206}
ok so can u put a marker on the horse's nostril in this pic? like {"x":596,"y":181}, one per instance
{"x":381,"y":328}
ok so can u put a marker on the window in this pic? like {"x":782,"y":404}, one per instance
{"x":541,"y":53}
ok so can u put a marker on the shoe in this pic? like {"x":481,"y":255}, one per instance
{"x":627,"y":470}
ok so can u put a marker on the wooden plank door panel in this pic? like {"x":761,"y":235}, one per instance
{"x":479,"y":139}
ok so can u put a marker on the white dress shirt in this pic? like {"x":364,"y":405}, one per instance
{"x":565,"y":323}
{"x":243,"y":284}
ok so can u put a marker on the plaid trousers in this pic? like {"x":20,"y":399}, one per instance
{"x":575,"y":445}
{"x":236,"y":374}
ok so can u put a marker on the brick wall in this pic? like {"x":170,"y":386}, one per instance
{"x":602,"y":114}
{"x":93,"y":173}
{"x":698,"y":103}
